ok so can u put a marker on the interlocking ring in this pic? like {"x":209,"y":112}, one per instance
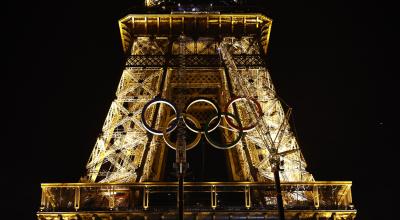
{"x":190,"y":118}
{"x":249,"y":127}
{"x":226,"y":146}
{"x":172,"y":122}
{"x":153,"y":102}
{"x":201,"y":129}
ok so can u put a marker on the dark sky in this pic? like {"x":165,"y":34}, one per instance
{"x":332,"y":62}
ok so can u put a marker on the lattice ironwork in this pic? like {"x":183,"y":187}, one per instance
{"x":218,"y":66}
{"x":268,"y":136}
{"x":140,"y":83}
{"x":145,"y":61}
{"x":248,"y":61}
{"x":118,"y":151}
{"x":242,"y":61}
{"x":198,"y":61}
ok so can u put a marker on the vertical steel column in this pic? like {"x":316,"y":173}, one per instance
{"x":111,"y":199}
{"x":349,"y":199}
{"x":180,"y":195}
{"x":213,"y":197}
{"x":180,"y":166}
{"x":77,"y":200}
{"x":145,"y":198}
{"x":316,"y":197}
{"x":43,"y":200}
{"x":279,"y":192}
{"x":247,"y":197}
{"x":180,"y":161}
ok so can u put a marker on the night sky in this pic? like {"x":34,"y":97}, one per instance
{"x":331,"y":62}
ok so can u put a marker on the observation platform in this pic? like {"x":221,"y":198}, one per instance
{"x":194,"y":24}
{"x":203,"y":200}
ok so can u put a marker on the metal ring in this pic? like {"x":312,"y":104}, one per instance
{"x":201,"y":130}
{"x":156,"y":101}
{"x":173,"y":145}
{"x":228,"y":145}
{"x":251,"y":126}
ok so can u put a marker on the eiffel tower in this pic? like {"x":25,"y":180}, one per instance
{"x":196,"y":130}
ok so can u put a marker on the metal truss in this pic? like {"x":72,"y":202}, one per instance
{"x":123,"y":149}
{"x":248,"y":61}
{"x":119,"y":150}
{"x":150,"y":46}
{"x":256,"y":83}
{"x":198,"y":24}
{"x":145,"y":61}
{"x":207,"y":62}
{"x":194,"y":60}
{"x":198,"y":61}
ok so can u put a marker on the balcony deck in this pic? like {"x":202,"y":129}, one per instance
{"x":203,"y":200}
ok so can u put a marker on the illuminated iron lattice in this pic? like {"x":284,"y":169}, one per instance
{"x":119,"y":151}
{"x":120,"y":148}
{"x":221,"y":59}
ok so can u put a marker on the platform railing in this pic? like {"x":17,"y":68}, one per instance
{"x":199,"y":196}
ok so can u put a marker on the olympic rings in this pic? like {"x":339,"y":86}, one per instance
{"x":201,"y":130}
{"x":172,"y":122}
{"x":227,"y":145}
{"x":156,"y":101}
{"x":251,"y":126}
{"x":190,"y":118}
